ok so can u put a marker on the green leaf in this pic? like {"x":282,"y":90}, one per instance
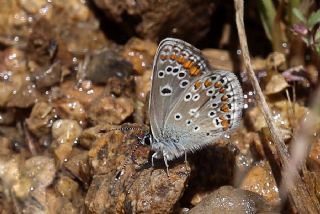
{"x":317,"y":48}
{"x":317,"y":35}
{"x":299,"y":15}
{"x":313,"y":19}
{"x":267,"y":13}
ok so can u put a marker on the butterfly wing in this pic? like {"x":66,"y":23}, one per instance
{"x":176,"y":65}
{"x":210,"y":107}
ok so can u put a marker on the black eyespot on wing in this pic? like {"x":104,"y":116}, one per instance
{"x":175,"y":70}
{"x":166,"y":91}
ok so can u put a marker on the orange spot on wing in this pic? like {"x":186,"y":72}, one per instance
{"x":173,"y":56}
{"x":225,"y":124}
{"x":224,"y":107}
{"x":222,"y":90}
{"x":224,"y":98}
{"x":207,"y":83}
{"x":194,"y":71}
{"x":163,"y":57}
{"x":187,"y":64}
{"x":218,"y":85}
{"x":181,"y":59}
{"x":197,"y":85}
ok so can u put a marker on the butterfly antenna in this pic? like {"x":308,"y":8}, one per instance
{"x":130,"y":157}
{"x":120,"y":172}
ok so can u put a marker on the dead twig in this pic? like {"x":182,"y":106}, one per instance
{"x":295,"y":187}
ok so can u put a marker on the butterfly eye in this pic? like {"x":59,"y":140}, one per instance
{"x":196,"y":128}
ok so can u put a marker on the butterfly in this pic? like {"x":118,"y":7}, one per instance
{"x":190,"y":105}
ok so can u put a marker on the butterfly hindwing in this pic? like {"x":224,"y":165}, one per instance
{"x":210,"y":107}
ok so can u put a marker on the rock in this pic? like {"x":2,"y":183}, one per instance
{"x":89,"y":136}
{"x":41,"y":119}
{"x":5,"y":147}
{"x":33,"y":6}
{"x":7,"y":116}
{"x":313,"y":159}
{"x":9,"y":172}
{"x":83,"y":94}
{"x":67,"y":187}
{"x":218,"y":59}
{"x":260,"y":180}
{"x":153,"y":19}
{"x":110,"y":110}
{"x":71,"y":109}
{"x":126,"y":180}
{"x":140,"y":53}
{"x":105,"y":64}
{"x":25,"y":97}
{"x":30,"y":177}
{"x":14,"y":79}
{"x":275,"y":84}
{"x":228,"y":200}
{"x":65,"y":134}
{"x":46,"y":77}
{"x":78,"y":166}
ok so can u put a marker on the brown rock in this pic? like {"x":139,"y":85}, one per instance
{"x":71,"y":109}
{"x":124,"y":180}
{"x":40,"y":119}
{"x":84,"y":95}
{"x":78,"y":166}
{"x":105,"y":64}
{"x":65,"y":134}
{"x":218,"y":59}
{"x":67,"y":187}
{"x":260,"y":180}
{"x":189,"y":20}
{"x":275,"y":84}
{"x":228,"y":200}
{"x":140,"y":53}
{"x":111,"y":110}
{"x":48,"y":76}
{"x":313,"y":159}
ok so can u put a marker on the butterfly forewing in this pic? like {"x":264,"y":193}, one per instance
{"x":177,"y":64}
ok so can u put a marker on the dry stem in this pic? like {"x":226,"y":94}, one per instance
{"x":294,"y":184}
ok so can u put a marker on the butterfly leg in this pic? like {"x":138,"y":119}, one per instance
{"x":185,"y":159}
{"x":153,"y":157}
{"x":166,"y":163}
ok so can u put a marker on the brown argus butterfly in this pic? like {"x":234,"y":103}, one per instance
{"x":191,"y":105}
